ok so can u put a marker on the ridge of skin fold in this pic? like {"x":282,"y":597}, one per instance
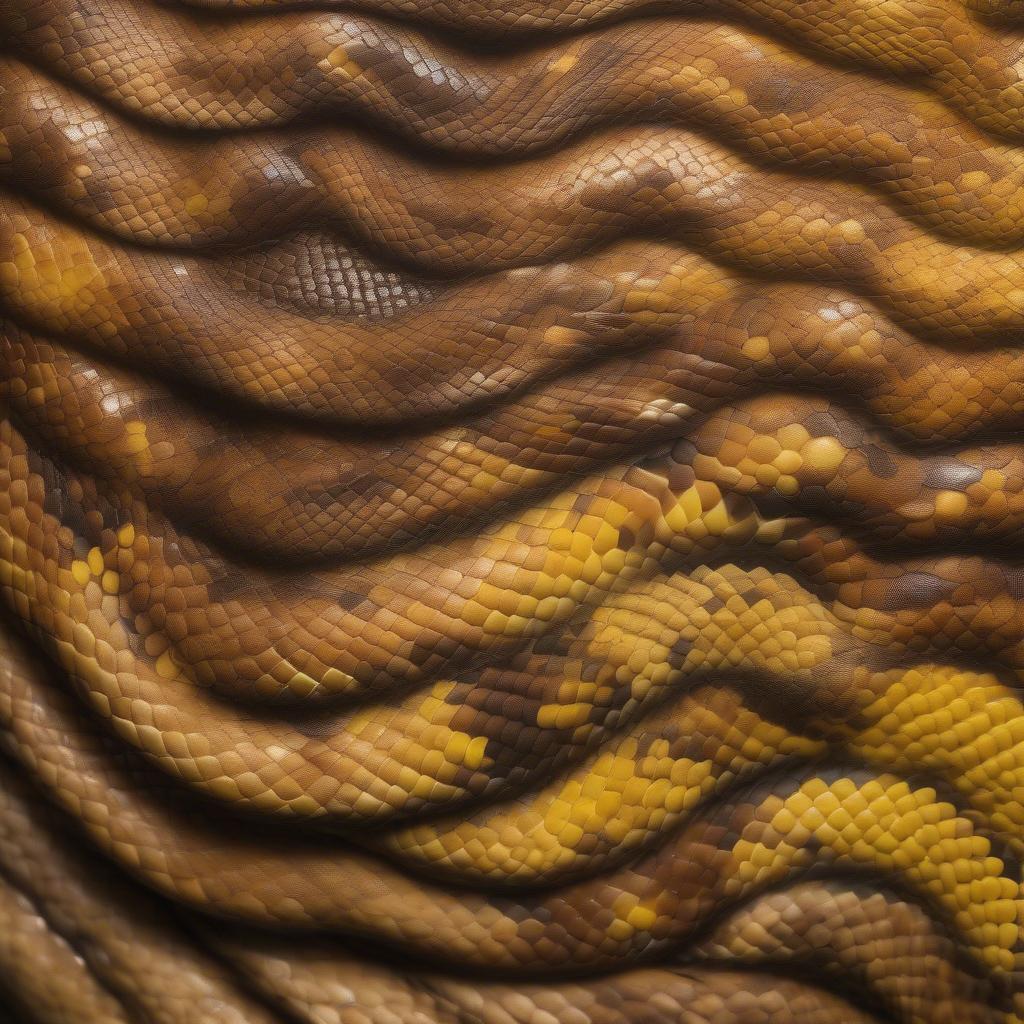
{"x":512,"y":514}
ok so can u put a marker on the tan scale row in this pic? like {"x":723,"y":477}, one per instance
{"x":975,"y":613}
{"x":327,"y":498}
{"x":874,"y":821}
{"x":154,"y":189}
{"x":180,"y":70}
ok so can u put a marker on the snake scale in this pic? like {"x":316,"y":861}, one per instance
{"x":511,"y":513}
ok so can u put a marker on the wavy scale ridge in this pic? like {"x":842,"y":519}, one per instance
{"x":511,"y":515}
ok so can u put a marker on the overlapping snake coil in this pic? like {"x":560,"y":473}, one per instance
{"x":512,"y":511}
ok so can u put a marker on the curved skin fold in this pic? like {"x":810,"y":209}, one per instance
{"x":511,"y":513}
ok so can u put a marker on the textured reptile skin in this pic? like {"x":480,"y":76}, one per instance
{"x":512,"y":513}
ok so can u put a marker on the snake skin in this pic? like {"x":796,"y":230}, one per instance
{"x":511,"y":513}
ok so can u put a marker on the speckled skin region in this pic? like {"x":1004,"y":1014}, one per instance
{"x":511,"y":513}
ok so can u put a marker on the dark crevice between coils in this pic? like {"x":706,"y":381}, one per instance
{"x":672,"y":950}
{"x":828,"y":512}
{"x":391,"y":138}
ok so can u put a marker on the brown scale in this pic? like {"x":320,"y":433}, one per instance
{"x":43,"y":967}
{"x":514,"y":581}
{"x":119,"y":933}
{"x":962,"y":60}
{"x":330,"y":986}
{"x":511,"y":516}
{"x":322,"y":495}
{"x":637,"y":909}
{"x":314,"y":274}
{"x":325,"y":979}
{"x":155,"y":189}
{"x":465,"y":349}
{"x":571,"y":312}
{"x":628,"y":182}
{"x":223,"y":788}
{"x":836,"y":927}
{"x":122,"y":934}
{"x":519,"y":21}
{"x":177,"y":71}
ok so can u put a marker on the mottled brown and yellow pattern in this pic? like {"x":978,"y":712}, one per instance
{"x":511,"y":512}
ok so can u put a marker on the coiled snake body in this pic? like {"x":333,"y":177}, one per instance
{"x":512,"y":513}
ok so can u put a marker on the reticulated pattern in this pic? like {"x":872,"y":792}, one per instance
{"x":512,"y":513}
